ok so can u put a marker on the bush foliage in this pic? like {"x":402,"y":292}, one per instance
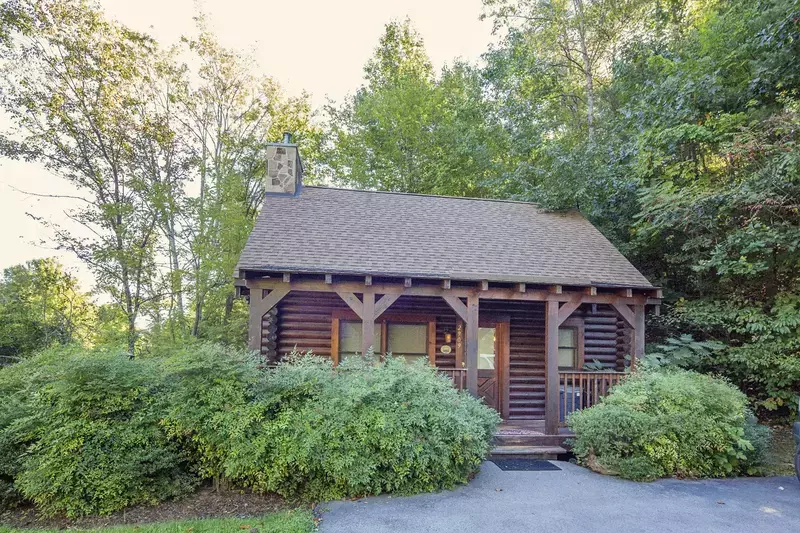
{"x":670,"y":423}
{"x":88,"y":433}
{"x":369,"y":428}
{"x":81,"y":434}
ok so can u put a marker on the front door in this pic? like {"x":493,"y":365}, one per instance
{"x":493,"y":364}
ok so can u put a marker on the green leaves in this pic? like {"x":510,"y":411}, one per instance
{"x":669,"y":423}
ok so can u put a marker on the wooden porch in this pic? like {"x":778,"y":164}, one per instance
{"x":525,"y":320}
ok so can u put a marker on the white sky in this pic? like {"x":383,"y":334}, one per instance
{"x":316,"y":45}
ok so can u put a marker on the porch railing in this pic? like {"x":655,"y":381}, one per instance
{"x":579,"y":390}
{"x":458,"y":375}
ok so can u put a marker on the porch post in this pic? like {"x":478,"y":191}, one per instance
{"x":552,"y":384}
{"x":368,"y":323}
{"x":471,"y":347}
{"x":638,"y":333}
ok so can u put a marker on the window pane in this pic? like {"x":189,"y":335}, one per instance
{"x":485,"y":348}
{"x":566,"y":357}
{"x":405,"y":339}
{"x":350,"y":338}
{"x":567,"y":338}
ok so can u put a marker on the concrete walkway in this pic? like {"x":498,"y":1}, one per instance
{"x":575,"y":500}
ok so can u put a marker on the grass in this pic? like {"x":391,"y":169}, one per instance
{"x":280,"y":522}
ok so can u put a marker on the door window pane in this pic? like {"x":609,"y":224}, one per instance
{"x":350,"y":339}
{"x":407,"y":340}
{"x":486,"y":348}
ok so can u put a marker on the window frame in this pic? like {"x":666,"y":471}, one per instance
{"x":575,"y":324}
{"x":383,"y":322}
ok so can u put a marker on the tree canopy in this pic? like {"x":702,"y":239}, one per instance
{"x":673,"y":126}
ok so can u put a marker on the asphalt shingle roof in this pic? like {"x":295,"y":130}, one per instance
{"x":410,"y":235}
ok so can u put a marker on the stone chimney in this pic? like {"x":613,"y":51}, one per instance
{"x":284,"y":168}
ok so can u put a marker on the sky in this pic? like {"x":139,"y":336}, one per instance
{"x":319,"y":46}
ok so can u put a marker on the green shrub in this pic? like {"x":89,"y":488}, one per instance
{"x":213,"y":405}
{"x":363,"y":428}
{"x":665,"y":423}
{"x":91,"y":433}
{"x":86,"y":437}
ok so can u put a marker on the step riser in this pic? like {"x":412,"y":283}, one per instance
{"x":529,"y":440}
{"x":543,"y":456}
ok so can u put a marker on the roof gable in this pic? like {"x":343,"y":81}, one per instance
{"x":409,"y":235}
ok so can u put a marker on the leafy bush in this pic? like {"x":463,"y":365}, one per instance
{"x":81,"y":433}
{"x":213,"y":406}
{"x":672,"y":422}
{"x":88,"y":433}
{"x":363,"y":428}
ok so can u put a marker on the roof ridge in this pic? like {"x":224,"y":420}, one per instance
{"x":399,"y":193}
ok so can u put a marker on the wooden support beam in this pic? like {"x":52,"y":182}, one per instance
{"x":531,"y":295}
{"x":259,"y":306}
{"x":471,"y":351}
{"x":484,"y":285}
{"x":446,"y":284}
{"x":335,"y":340}
{"x":626,"y":314}
{"x":552,"y":384}
{"x":638,"y":332}
{"x":383,"y":304}
{"x":457,"y":305}
{"x":353,"y":302}
{"x":657,"y":310}
{"x":459,"y":343}
{"x":367,"y":280}
{"x":407,"y":282}
{"x":368,"y":324}
{"x":521,"y":287}
{"x":432,"y":343}
{"x":627,"y":293}
{"x":328,"y":278}
{"x":287,"y":278}
{"x":566,"y":310}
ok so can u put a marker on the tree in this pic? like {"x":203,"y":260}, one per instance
{"x":41,"y":305}
{"x":579,"y":38}
{"x":226,"y":118}
{"x":73,"y":86}
{"x":405,"y":130}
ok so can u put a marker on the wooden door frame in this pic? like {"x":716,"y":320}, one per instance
{"x":502,"y":348}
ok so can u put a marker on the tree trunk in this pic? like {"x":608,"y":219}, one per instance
{"x":587,"y":69}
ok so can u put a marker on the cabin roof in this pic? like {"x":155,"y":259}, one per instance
{"x":344,"y":231}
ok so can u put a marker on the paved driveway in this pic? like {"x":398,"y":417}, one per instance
{"x":575,"y":500}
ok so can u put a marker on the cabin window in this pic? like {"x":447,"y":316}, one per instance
{"x":350,"y":339}
{"x":409,"y":336}
{"x":568,"y":353}
{"x":409,"y":341}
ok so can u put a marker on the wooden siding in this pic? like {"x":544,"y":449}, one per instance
{"x":302,"y":321}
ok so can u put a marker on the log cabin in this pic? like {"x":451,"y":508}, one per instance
{"x":533,"y":311}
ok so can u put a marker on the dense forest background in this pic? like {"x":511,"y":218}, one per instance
{"x":672,"y":125}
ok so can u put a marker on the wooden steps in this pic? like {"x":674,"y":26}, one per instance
{"x":527,"y":438}
{"x":526,"y":452}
